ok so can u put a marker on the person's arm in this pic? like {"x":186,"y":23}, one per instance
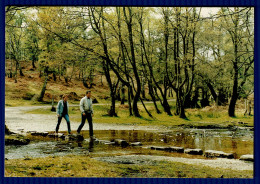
{"x":81,"y":105}
{"x":58,"y":108}
{"x":68,"y":107}
{"x":91,"y":108}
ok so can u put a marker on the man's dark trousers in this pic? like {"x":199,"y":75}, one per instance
{"x":87,"y":116}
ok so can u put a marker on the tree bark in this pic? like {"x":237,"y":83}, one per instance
{"x":40,"y":99}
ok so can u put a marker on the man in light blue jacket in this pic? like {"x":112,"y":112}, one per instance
{"x":63,"y":112}
{"x":87,"y":112}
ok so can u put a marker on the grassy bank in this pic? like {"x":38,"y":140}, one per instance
{"x":85,"y":166}
{"x":208,"y":116}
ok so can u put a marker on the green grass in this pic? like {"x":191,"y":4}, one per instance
{"x":86,"y":166}
{"x":195,"y":117}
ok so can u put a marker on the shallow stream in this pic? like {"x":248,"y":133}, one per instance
{"x":239,"y":142}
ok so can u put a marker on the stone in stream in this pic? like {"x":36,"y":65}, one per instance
{"x":247,"y":158}
{"x":44,"y":134}
{"x":121,"y":142}
{"x":170,"y":149}
{"x":193,"y":151}
{"x":136,"y":144}
{"x":74,"y":137}
{"x":176,"y":149}
{"x":219,"y":154}
{"x":105,"y":142}
{"x":159,"y":148}
{"x":17,"y":140}
{"x":59,"y":135}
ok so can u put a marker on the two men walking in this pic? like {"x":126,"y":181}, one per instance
{"x":86,"y":109}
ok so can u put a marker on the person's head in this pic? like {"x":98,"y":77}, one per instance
{"x":88,"y":94}
{"x":65,"y":97}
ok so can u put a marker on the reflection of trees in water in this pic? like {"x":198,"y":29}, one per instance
{"x":135,"y":136}
{"x":205,"y":140}
{"x":234,"y":144}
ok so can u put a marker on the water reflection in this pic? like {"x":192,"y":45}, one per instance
{"x":222,"y":140}
{"x":91,"y":145}
{"x":239,"y":143}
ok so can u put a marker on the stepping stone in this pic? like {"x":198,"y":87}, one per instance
{"x":74,"y":137}
{"x":121,"y":142}
{"x":159,"y":148}
{"x":228,"y":155}
{"x":60,"y":135}
{"x":17,"y":141}
{"x":247,"y":158}
{"x":44,"y":134}
{"x":136,"y":144}
{"x":176,"y":149}
{"x":193,"y":151}
{"x":103,"y":141}
{"x":109,"y":143}
{"x":219,"y":154}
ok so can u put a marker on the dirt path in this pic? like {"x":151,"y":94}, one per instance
{"x":17,"y":119}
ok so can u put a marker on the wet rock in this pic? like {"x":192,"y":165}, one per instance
{"x":170,"y":149}
{"x":31,"y":132}
{"x":176,"y":149}
{"x":193,"y":151}
{"x":229,"y":155}
{"x":44,"y":134}
{"x":80,"y":138}
{"x":159,"y":148}
{"x":59,"y":135}
{"x":7,"y":131}
{"x":110,"y":143}
{"x":121,"y":142}
{"x":219,"y":154}
{"x":17,"y":140}
{"x":103,"y":141}
{"x":136,"y":144}
{"x":247,"y":158}
{"x":74,"y":137}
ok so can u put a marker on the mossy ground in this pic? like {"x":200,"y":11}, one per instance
{"x":85,"y":166}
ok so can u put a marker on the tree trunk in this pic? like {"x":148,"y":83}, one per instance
{"x":166,"y":105}
{"x":85,"y":84}
{"x":133,"y":62}
{"x":151,"y":93}
{"x":33,"y":64}
{"x":112,"y":111}
{"x":129,"y":100}
{"x":20,"y":70}
{"x":40,"y":99}
{"x":234,"y":97}
{"x":122,"y":95}
{"x":54,"y":76}
{"x":232,"y":105}
{"x":182,"y":111}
